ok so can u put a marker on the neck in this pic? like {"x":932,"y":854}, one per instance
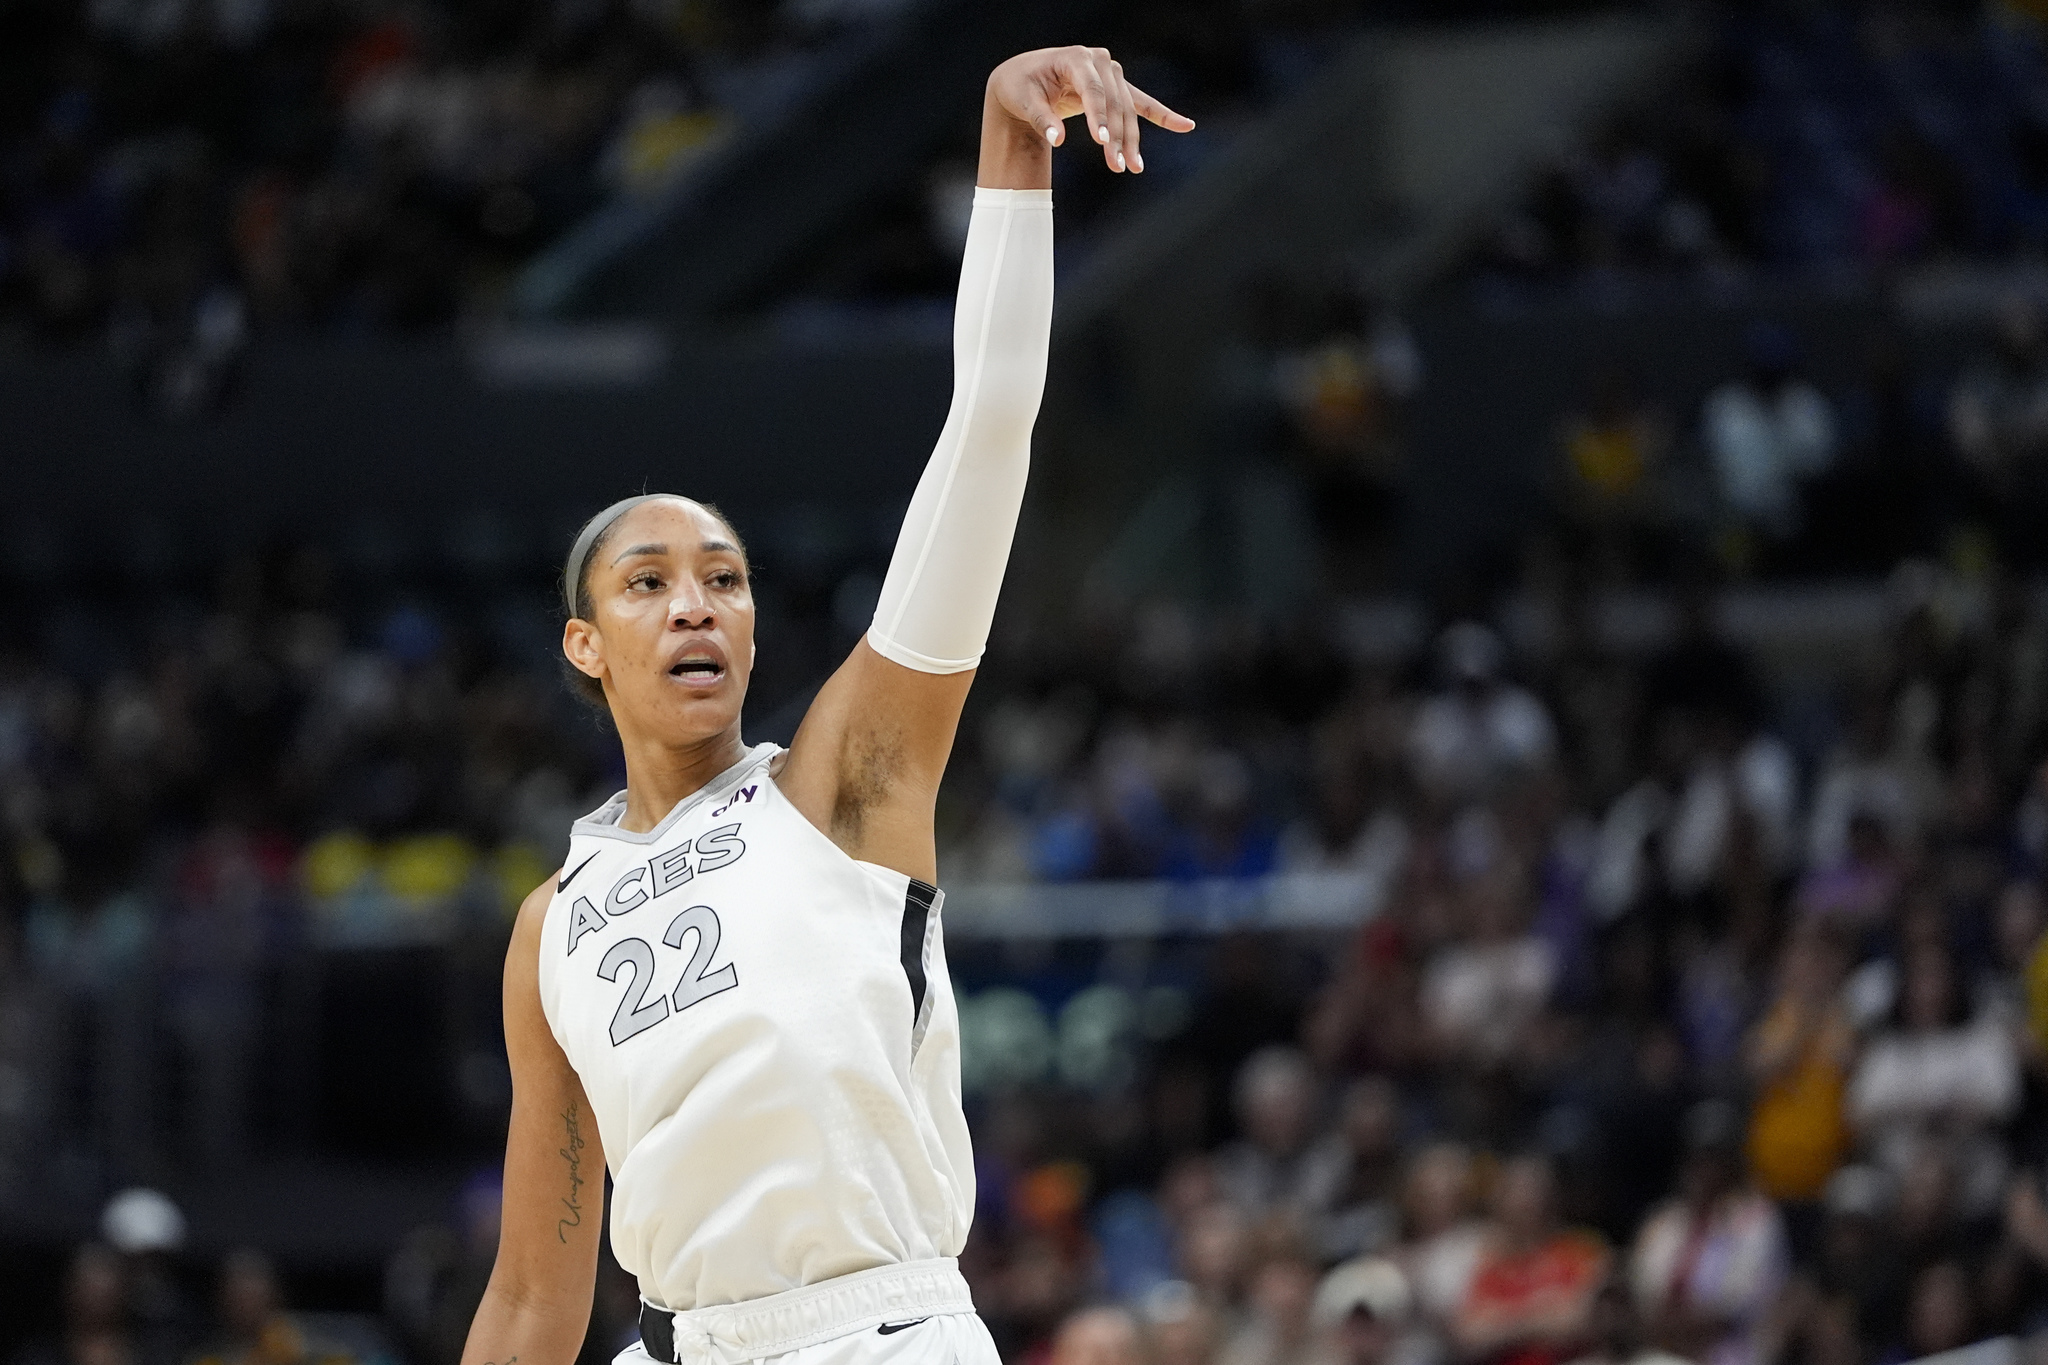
{"x":659,"y":774}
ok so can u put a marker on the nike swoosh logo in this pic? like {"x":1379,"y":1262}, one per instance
{"x":563,"y":884}
{"x":888,"y":1327}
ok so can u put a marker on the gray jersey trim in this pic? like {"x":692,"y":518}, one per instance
{"x":603,"y":823}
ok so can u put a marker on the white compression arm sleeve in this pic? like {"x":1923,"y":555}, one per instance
{"x":940,"y":596}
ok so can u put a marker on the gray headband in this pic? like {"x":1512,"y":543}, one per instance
{"x":572,"y":573}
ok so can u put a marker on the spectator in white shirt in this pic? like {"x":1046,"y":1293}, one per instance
{"x":1481,"y":731}
{"x":1938,"y":1075}
{"x":1998,"y":410}
{"x":1766,"y":434}
{"x":1708,"y":1265}
{"x":1277,"y":1167}
{"x":1444,"y":1238}
{"x":1480,"y":996}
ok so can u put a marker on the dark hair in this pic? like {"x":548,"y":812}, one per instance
{"x":580,"y":606}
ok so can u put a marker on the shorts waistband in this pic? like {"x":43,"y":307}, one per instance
{"x":736,"y":1332}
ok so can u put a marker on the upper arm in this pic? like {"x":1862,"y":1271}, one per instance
{"x":554,"y":1159}
{"x":865,"y":765}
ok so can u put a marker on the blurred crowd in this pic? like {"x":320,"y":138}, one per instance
{"x":1933,"y":447}
{"x":1830,"y":140}
{"x":1228,"y":60}
{"x":174,"y":173}
{"x":127,"y":1299}
{"x":187,"y":806}
{"x":1668,"y":1037}
{"x":1683,"y":1026}
{"x":1827,"y":142}
{"x":1702,"y":990}
{"x":1697,"y":1008}
{"x":171,"y":173}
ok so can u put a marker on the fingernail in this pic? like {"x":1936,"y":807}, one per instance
{"x":1139,"y":162}
{"x":1052,"y":135}
{"x":1102,"y":133}
{"x":1121,"y":164}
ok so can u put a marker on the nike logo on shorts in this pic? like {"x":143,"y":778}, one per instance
{"x":886,"y":1328}
{"x":563,"y":884}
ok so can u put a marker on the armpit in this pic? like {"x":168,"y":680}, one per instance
{"x":869,"y":767}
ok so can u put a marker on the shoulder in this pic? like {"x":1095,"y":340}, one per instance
{"x":529,"y":1040}
{"x":534,"y":908}
{"x":526,"y":927}
{"x":1666,"y":1220}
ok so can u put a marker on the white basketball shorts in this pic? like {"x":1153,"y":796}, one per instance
{"x":942,"y":1339}
{"x":917,"y":1313}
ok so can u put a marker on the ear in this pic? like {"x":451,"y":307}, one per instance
{"x":583,"y":647}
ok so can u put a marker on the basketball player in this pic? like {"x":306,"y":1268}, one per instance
{"x":734,"y":994}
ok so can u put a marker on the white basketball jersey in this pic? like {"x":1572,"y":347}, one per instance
{"x":767,"y":1034}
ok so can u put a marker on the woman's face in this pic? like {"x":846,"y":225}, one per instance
{"x":2020,"y":916}
{"x":1524,"y":1201}
{"x":1212,"y":1251}
{"x":1812,"y":969}
{"x":1927,"y":991}
{"x":1439,"y":1190}
{"x":671,"y":634}
{"x":95,"y":1290}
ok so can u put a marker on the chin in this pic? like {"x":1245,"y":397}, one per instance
{"x":694,"y":718}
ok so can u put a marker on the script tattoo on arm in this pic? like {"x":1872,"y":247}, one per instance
{"x":572,"y":1153}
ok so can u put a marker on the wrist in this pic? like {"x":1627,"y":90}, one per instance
{"x":995,"y":116}
{"x":1014,"y":155}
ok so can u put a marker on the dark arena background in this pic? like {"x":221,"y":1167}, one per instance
{"x":1505,"y":819}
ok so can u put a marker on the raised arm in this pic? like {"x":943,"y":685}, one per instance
{"x":866,"y":763}
{"x":537,"y":1305}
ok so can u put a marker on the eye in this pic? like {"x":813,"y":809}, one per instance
{"x":725,"y":579}
{"x":646,"y":581}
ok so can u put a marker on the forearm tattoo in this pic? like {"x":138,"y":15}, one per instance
{"x":572,"y":1153}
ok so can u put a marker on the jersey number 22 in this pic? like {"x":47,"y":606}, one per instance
{"x":636,"y":1013}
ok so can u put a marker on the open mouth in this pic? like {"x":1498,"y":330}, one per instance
{"x":697,"y":668}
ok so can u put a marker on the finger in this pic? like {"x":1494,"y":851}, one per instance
{"x":1118,"y":108}
{"x":1119,"y":133}
{"x":1086,"y":82}
{"x":1155,"y":112}
{"x":1133,"y":125}
{"x":1114,"y":147}
{"x":1038,"y":112}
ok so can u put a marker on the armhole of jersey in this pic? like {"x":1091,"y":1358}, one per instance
{"x":920,"y":927}
{"x":545,"y":968}
{"x":921,"y":902}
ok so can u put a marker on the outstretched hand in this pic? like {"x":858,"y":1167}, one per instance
{"x":1042,"y":89}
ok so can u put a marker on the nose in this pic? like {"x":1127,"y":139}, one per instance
{"x":688,"y":610}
